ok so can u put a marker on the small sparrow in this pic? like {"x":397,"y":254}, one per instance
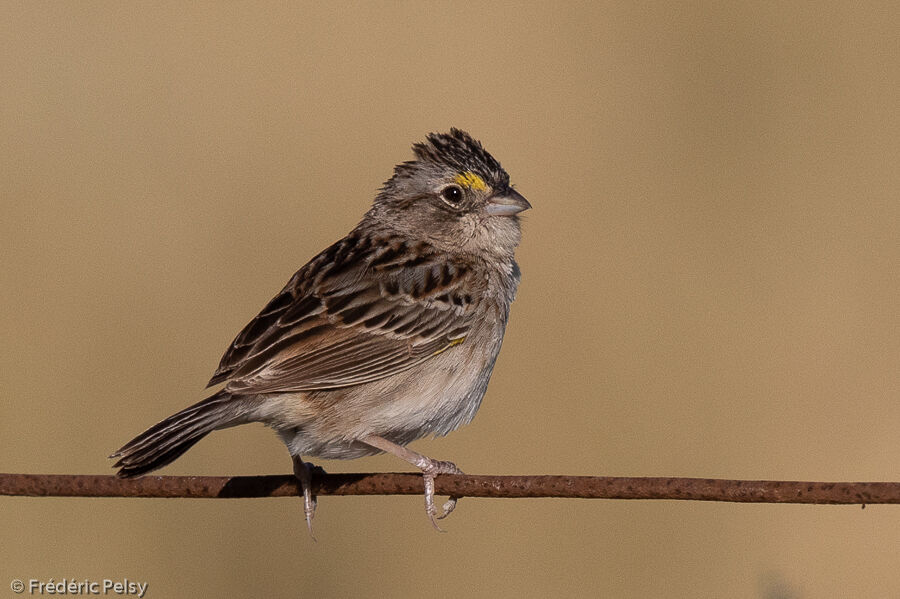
{"x":387,"y":336}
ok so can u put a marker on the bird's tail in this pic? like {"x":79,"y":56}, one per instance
{"x":166,"y":441}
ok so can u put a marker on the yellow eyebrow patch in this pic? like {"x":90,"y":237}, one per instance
{"x":470,"y":180}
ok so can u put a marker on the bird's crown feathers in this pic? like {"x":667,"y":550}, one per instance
{"x":460,"y":152}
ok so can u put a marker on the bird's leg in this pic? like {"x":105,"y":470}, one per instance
{"x":429,"y":467}
{"x":302,"y":472}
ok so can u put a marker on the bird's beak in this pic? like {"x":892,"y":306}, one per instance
{"x":507,"y":204}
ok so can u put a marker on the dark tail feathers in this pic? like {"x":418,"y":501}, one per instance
{"x":166,"y":441}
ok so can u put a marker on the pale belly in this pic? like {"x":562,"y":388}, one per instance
{"x":409,"y":405}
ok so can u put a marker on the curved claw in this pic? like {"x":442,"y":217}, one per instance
{"x":448,"y":507}
{"x":430,"y":510}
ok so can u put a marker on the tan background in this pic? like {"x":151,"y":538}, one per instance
{"x":710,"y":283}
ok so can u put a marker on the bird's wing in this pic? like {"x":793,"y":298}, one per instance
{"x":360,"y":311}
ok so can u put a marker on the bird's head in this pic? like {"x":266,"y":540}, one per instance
{"x":454,"y":195}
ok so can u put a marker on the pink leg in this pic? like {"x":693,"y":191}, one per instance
{"x":429,"y":467}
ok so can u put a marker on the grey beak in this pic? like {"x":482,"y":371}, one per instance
{"x":507,"y":204}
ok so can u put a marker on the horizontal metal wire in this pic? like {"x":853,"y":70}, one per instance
{"x":459,"y":485}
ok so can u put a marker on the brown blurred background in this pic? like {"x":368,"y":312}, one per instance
{"x":711,"y":281}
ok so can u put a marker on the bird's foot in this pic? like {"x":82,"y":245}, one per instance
{"x":430,"y":469}
{"x":303,"y":472}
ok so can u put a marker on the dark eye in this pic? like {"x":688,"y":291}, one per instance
{"x":452,"y":195}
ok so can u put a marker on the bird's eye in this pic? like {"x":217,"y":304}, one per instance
{"x":452,"y":194}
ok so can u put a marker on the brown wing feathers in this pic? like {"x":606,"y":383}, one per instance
{"x":343,"y":327}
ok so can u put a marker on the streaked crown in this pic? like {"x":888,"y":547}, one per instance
{"x":456,"y":151}
{"x":462,"y":152}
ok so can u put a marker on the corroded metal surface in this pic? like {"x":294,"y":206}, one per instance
{"x":585,"y":487}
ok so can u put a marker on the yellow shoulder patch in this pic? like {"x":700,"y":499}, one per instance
{"x":457,"y":341}
{"x":470,"y":180}
{"x":449,"y":345}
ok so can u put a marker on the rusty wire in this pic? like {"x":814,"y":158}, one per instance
{"x":584,"y":487}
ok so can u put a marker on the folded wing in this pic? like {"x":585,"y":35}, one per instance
{"x":362,"y":310}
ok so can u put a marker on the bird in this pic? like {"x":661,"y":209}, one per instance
{"x":387,"y":336}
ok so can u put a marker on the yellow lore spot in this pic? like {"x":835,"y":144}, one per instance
{"x":470,"y":180}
